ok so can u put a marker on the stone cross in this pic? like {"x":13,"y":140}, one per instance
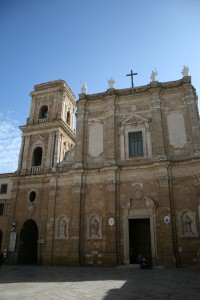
{"x":132,"y":74}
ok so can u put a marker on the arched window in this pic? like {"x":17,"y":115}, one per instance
{"x":37,"y":157}
{"x":68,"y":118}
{"x":43,"y":112}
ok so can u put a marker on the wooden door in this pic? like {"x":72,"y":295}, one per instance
{"x":139,"y":240}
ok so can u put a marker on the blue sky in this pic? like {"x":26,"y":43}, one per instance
{"x":88,"y":40}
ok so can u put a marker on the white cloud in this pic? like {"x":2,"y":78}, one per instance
{"x":10,"y":137}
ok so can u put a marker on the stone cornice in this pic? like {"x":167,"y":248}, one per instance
{"x":43,"y":127}
{"x":12,"y":175}
{"x":149,"y":88}
{"x":53,"y":86}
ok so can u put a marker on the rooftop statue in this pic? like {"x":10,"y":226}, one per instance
{"x":185,"y":71}
{"x":111,"y":83}
{"x":153,"y":75}
{"x":83,"y":88}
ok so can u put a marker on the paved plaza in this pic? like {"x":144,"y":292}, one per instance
{"x":45,"y":283}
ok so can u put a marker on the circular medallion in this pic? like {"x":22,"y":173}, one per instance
{"x":111,"y":221}
{"x":166,"y":220}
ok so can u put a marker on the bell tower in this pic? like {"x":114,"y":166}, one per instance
{"x":49,"y":131}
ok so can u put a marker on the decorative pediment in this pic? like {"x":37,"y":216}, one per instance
{"x":136,"y":119}
{"x":38,"y":140}
{"x":151,"y":203}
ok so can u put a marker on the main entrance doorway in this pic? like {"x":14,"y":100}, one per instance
{"x":27,"y":253}
{"x":139,"y":240}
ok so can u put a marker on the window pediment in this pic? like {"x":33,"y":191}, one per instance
{"x":136,"y":119}
{"x":38,"y":140}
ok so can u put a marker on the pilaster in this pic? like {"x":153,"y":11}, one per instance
{"x":25,"y":155}
{"x":190,"y":102}
{"x":81,"y":132}
{"x":48,"y":258}
{"x":111,"y":140}
{"x":156,"y":102}
{"x":21,"y":154}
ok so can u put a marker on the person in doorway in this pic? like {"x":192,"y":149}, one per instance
{"x":142,"y":261}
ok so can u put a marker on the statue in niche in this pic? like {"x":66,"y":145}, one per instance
{"x":94,"y":227}
{"x":185,"y":71}
{"x":63,"y":229}
{"x":65,"y":148}
{"x":187,"y":225}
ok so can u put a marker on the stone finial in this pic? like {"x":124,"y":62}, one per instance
{"x":111,"y":83}
{"x":154,"y":73}
{"x":83,"y":88}
{"x":185,"y":71}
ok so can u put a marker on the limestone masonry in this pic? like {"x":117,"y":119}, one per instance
{"x":126,"y":183}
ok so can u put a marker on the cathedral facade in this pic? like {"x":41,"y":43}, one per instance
{"x":127,"y":182}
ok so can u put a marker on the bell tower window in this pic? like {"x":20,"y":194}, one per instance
{"x":43,"y":114}
{"x":68,"y":118}
{"x":36,"y":160}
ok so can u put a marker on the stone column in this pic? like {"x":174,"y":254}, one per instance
{"x":72,"y":126}
{"x":63,"y":110}
{"x":148,"y":139}
{"x":56,"y":149}
{"x":190,"y":101}
{"x":125,"y":207}
{"x":81,"y":131}
{"x":48,"y":258}
{"x":21,"y":154}
{"x":112,"y":251}
{"x":33,"y":108}
{"x":12,"y":216}
{"x":77,"y":223}
{"x":122,"y":143}
{"x":166,"y":253}
{"x":25,"y":155}
{"x":158,"y":126}
{"x":111,"y":134}
{"x":49,"y":150}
